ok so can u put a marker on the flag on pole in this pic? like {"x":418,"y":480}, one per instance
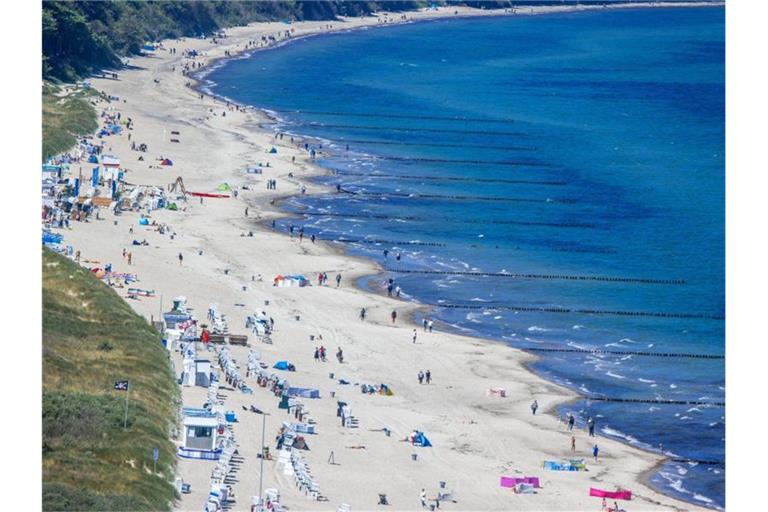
{"x":121,"y":385}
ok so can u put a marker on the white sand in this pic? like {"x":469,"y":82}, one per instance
{"x":476,"y":438}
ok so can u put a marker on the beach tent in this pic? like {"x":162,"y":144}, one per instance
{"x":224,"y":187}
{"x":615,"y":495}
{"x":284,"y":365}
{"x":273,"y":150}
{"x":421,"y":440}
{"x":166,"y":161}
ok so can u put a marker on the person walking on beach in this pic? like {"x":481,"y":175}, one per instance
{"x":397,"y":291}
{"x":595,"y":451}
{"x":423,"y":497}
{"x":338,"y":280}
{"x":181,"y":258}
{"x":130,"y":258}
{"x":414,"y":335}
{"x":424,"y":321}
{"x":571,"y":421}
{"x":389,"y":289}
{"x":573,"y":444}
{"x":428,"y":376}
{"x":429,"y":325}
{"x":421,"y":377}
{"x":317,"y":354}
{"x":394,"y":316}
{"x":534,"y":406}
{"x":340,"y":356}
{"x":591,"y":426}
{"x":362,"y":313}
{"x":322,"y":353}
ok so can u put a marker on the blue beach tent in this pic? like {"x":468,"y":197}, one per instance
{"x":421,"y":440}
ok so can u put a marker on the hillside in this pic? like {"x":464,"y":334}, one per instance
{"x":91,"y":339}
{"x":81,"y":37}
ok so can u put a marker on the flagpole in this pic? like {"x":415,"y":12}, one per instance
{"x":261,"y":469}
{"x":127,"y":392}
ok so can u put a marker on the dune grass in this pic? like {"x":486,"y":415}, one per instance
{"x":65,"y":118}
{"x":92,"y":338}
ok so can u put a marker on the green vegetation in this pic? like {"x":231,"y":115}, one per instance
{"x":65,"y":118}
{"x":91,"y":339}
{"x":81,"y":37}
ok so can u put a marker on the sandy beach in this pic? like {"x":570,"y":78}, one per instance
{"x":476,"y":438}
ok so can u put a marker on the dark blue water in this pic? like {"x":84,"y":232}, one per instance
{"x":587,"y":144}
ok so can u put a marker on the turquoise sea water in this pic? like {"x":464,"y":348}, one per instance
{"x":557,"y":147}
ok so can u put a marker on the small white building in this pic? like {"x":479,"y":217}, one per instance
{"x":200,"y":437}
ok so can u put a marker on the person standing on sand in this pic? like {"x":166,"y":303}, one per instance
{"x":430,"y":324}
{"x":338,"y":280}
{"x":595,"y":451}
{"x":394,"y":316}
{"x":421,"y":377}
{"x":130,"y":258}
{"x":362,"y":313}
{"x":423,"y":497}
{"x":424,"y":321}
{"x":397,"y":291}
{"x":534,"y":406}
{"x":428,"y":376}
{"x":181,"y":258}
{"x":414,"y":335}
{"x":573,"y":444}
{"x":591,"y":426}
{"x":571,"y":421}
{"x":317,"y":354}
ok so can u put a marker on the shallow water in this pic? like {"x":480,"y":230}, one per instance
{"x":585,"y":146}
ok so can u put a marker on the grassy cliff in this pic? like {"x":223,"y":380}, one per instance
{"x":65,"y":118}
{"x":92,"y":338}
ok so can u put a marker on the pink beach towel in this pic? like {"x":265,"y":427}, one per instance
{"x":616,"y":495}
{"x":510,"y":481}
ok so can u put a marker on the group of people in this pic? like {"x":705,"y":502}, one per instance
{"x":272,"y":184}
{"x":391,"y":287}
{"x":424,"y":377}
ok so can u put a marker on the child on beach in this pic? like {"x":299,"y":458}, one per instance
{"x":595,"y":451}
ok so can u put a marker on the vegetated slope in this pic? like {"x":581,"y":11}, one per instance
{"x":91,"y":339}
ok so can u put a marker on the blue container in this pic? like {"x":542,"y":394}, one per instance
{"x":230,"y":416}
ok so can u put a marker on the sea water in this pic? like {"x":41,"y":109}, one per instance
{"x":564,"y":149}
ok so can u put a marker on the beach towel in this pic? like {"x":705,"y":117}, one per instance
{"x":615,"y":495}
{"x":206,"y":194}
{"x":304,"y":392}
{"x":511,"y":481}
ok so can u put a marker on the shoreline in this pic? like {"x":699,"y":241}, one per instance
{"x":363,"y":265}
